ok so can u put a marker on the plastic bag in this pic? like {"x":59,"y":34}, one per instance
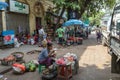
{"x":60,"y":61}
{"x":18,"y":67}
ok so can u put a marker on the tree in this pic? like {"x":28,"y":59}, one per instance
{"x":88,"y":6}
{"x":95,"y":20}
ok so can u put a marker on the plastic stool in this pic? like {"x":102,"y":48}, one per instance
{"x":41,"y":67}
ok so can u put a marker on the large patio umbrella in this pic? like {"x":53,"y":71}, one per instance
{"x":72,"y":22}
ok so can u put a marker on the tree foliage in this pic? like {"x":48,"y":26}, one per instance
{"x":95,"y":20}
{"x":86,"y":7}
{"x":89,"y":7}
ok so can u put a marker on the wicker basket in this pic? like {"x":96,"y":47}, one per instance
{"x":9,"y":60}
{"x":7,"y":63}
{"x":19,"y":55}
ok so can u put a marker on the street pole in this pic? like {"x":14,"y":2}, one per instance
{"x":3,"y":20}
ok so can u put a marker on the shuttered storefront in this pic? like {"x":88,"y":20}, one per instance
{"x":17,"y":22}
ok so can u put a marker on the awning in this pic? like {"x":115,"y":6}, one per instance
{"x":3,"y":5}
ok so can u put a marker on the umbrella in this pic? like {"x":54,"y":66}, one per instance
{"x":3,"y":5}
{"x":72,"y":22}
{"x":85,"y":25}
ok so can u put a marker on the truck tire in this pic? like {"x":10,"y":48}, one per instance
{"x":118,"y":67}
{"x":115,"y":66}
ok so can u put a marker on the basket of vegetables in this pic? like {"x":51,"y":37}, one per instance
{"x":9,"y":60}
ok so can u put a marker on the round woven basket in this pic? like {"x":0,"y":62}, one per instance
{"x":19,"y":55}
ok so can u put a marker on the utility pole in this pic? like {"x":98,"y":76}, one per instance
{"x":3,"y":19}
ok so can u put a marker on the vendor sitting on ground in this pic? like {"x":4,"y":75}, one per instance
{"x":46,"y":55}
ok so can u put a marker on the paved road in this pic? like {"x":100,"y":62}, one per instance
{"x":94,"y":63}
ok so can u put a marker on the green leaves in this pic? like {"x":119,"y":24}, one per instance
{"x":85,"y":6}
{"x":95,"y":19}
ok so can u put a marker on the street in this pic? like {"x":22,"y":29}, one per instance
{"x":94,"y":61}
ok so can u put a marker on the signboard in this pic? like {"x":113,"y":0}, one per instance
{"x":16,"y":6}
{"x":8,"y":37}
{"x":72,"y":14}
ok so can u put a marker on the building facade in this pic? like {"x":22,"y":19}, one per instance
{"x":37,"y":12}
{"x":24,"y":15}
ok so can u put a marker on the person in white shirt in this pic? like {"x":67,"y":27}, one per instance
{"x":41,"y":35}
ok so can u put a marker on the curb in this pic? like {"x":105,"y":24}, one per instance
{"x":5,"y":70}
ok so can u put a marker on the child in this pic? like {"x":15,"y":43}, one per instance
{"x":32,"y":41}
{"x":44,"y":43}
{"x":48,"y":39}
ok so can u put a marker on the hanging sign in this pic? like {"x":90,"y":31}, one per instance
{"x":19,"y":7}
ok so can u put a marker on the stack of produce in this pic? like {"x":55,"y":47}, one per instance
{"x":26,"y":67}
{"x":8,"y":60}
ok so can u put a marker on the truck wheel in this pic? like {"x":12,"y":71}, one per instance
{"x":118,"y":67}
{"x":114,"y":63}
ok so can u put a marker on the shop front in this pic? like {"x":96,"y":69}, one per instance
{"x":18,"y":17}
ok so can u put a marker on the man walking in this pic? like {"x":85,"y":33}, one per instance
{"x":60,"y":34}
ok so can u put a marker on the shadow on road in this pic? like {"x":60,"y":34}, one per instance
{"x":93,"y":72}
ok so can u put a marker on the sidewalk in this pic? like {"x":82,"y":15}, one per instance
{"x":24,"y":49}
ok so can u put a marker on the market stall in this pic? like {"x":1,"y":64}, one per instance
{"x":74,"y":31}
{"x":64,"y":68}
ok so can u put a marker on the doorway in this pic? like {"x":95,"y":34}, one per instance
{"x":38,"y":23}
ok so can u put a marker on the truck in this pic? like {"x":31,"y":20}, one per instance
{"x":114,"y":39}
